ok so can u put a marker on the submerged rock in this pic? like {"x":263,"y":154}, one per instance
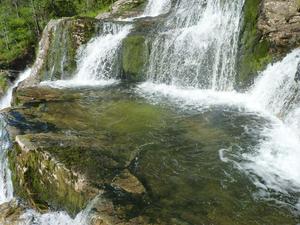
{"x":128,"y":183}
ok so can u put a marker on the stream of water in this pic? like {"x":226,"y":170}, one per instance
{"x":192,"y":67}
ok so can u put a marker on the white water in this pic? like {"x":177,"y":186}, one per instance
{"x":197,"y":45}
{"x":193,"y":64}
{"x":98,"y":61}
{"x":157,"y":7}
{"x":6,"y":188}
{"x":277,"y":158}
{"x":274,"y":164}
{"x":30,"y":217}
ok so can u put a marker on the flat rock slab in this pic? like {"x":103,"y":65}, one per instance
{"x":71,"y":144}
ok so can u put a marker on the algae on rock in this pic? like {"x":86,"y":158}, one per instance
{"x":135,"y":54}
{"x":270,"y":30}
{"x":253,"y":51}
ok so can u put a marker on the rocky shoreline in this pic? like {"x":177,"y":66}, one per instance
{"x":67,"y":148}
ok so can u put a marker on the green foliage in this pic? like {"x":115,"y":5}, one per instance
{"x":22,"y":22}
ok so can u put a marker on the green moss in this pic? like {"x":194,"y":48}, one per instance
{"x":4,"y":82}
{"x":60,"y":62}
{"x":135,"y":54}
{"x":130,"y":7}
{"x":254,"y":52}
{"x":43,"y":182}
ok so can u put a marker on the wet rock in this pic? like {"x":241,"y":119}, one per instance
{"x":69,"y":146}
{"x":271,"y":28}
{"x":135,"y":54}
{"x":44,"y":181}
{"x":297,"y":75}
{"x":128,"y":183}
{"x":104,"y":212}
{"x":124,"y":9}
{"x":57,"y":49}
{"x":5,"y":81}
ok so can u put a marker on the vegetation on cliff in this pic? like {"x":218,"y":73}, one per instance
{"x":22,"y":22}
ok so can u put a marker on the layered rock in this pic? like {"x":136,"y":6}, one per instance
{"x":61,"y":38}
{"x":69,"y":147}
{"x":124,"y":9}
{"x":271,"y":28}
{"x":279,"y":23}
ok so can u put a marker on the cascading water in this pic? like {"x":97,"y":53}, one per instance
{"x":98,"y":61}
{"x":276,"y":159}
{"x":193,"y":63}
{"x":197,"y":45}
{"x":156,"y":8}
{"x":30,"y":217}
{"x":6,"y":188}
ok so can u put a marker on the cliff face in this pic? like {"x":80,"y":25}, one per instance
{"x":271,"y":28}
{"x":279,"y":23}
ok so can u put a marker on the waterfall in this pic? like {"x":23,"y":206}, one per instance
{"x":157,"y":7}
{"x":197,"y":45}
{"x":98,"y":60}
{"x":276,"y":158}
{"x":6,"y":188}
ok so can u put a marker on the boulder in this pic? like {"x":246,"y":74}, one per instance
{"x":271,"y":28}
{"x":279,"y":23}
{"x":135,"y":55}
{"x":124,"y":9}
{"x":5,"y":81}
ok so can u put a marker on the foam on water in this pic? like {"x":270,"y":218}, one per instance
{"x":6,"y":187}
{"x":277,"y":158}
{"x":98,"y":61}
{"x":274,"y":164}
{"x":197,"y":45}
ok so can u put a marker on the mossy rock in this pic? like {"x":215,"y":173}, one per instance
{"x":65,"y":38}
{"x":43,"y":181}
{"x":254,"y":52}
{"x":76,"y":140}
{"x":4,"y":82}
{"x":135,"y":54}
